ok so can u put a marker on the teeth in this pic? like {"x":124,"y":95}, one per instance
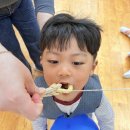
{"x":69,"y":90}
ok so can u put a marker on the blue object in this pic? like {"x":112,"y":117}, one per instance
{"x":79,"y":122}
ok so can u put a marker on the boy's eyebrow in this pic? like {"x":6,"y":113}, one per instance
{"x":79,"y":54}
{"x":52,"y":52}
{"x":74,"y":54}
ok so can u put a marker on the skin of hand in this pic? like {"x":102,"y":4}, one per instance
{"x":42,"y":18}
{"x":16,"y":86}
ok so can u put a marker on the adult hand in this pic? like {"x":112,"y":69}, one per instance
{"x":18,"y":92}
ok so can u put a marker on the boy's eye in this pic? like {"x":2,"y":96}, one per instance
{"x":78,"y":63}
{"x":53,"y":61}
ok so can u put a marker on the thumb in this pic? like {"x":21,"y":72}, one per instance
{"x":36,"y":98}
{"x":33,"y":104}
{"x":30,"y":85}
{"x":30,"y":108}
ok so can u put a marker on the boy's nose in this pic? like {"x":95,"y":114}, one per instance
{"x":64,"y":71}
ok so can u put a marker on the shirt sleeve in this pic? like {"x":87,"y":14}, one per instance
{"x":40,"y":123}
{"x":46,"y":6}
{"x":105,"y":115}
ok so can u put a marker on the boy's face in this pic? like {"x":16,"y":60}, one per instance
{"x":71,"y":66}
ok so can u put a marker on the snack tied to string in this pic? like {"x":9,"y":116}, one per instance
{"x":56,"y":89}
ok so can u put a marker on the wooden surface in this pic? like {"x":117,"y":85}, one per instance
{"x":113,"y":60}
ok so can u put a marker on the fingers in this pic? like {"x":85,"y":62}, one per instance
{"x":36,"y":98}
{"x":29,"y":100}
{"x":29,"y":84}
{"x":31,"y":108}
{"x":21,"y":102}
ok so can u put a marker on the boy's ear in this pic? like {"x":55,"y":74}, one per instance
{"x":40,"y":62}
{"x":40,"y":59}
{"x":93,"y":67}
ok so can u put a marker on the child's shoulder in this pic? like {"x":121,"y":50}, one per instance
{"x":93,"y":82}
{"x":95,"y":78}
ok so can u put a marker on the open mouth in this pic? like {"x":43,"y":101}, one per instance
{"x":65,"y":85}
{"x":65,"y":88}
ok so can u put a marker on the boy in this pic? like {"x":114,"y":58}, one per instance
{"x":69,"y":48}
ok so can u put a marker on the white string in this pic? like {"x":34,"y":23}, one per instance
{"x":111,"y":89}
{"x":95,"y":90}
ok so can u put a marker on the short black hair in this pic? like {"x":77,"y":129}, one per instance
{"x":62,"y":27}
